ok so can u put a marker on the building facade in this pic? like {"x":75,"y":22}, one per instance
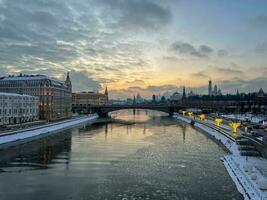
{"x":89,"y":98}
{"x":82,"y":101}
{"x":54,"y":95}
{"x":16,"y":108}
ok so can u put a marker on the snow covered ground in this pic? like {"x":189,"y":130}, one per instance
{"x":247,"y":181}
{"x":224,"y":126}
{"x":252,"y":118}
{"x":44,"y":130}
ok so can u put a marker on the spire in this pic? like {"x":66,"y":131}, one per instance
{"x":210,"y":88}
{"x":68,"y":78}
{"x":106,"y":91}
{"x":184,"y":95}
{"x":134,"y":100}
{"x":68,"y":81}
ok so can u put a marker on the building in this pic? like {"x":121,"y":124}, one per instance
{"x":184,"y":94}
{"x":16,"y":108}
{"x":175,"y":98}
{"x":191,"y":94}
{"x":139,"y":99}
{"x":54,"y":95}
{"x":215,"y":91}
{"x":210,"y":88}
{"x":89,"y":99}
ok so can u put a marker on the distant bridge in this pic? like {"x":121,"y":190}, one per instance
{"x":105,"y":109}
{"x":206,"y":106}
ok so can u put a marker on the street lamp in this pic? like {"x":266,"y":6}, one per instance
{"x":202,"y":117}
{"x":183,"y":112}
{"x":190,"y":114}
{"x":234,"y":126}
{"x":218,"y":121}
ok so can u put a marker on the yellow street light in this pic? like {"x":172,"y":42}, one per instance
{"x":202,"y":117}
{"x":190,"y":114}
{"x":218,"y":121}
{"x":234,"y":126}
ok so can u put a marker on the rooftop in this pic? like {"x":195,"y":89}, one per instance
{"x":24,"y":77}
{"x":14,"y":94}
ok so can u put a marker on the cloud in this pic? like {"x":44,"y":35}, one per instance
{"x":260,"y":22}
{"x":145,"y":92}
{"x":138,"y":14}
{"x":244,"y":85}
{"x":222,"y":53}
{"x":52,"y":37}
{"x":185,"y":48}
{"x":82,"y":82}
{"x":229,"y":71}
{"x":261,"y":48}
{"x":200,"y":74}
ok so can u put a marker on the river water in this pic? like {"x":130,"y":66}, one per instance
{"x":155,"y":158}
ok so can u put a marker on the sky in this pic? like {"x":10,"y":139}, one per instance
{"x":138,"y":46}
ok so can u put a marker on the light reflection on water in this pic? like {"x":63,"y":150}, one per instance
{"x":156,"y":158}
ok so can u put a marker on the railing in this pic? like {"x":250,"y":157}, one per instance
{"x":43,"y":126}
{"x":255,"y":189}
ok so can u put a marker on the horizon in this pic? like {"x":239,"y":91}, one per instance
{"x":147,"y":47}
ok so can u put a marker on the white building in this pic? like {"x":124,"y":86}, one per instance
{"x":16,"y":108}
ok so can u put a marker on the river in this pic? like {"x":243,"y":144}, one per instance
{"x":155,"y":158}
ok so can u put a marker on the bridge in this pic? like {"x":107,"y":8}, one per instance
{"x":103,"y":110}
{"x":206,"y":106}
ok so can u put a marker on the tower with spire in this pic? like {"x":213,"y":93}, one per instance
{"x":106,"y":91}
{"x":68,"y":81}
{"x":184,"y":94}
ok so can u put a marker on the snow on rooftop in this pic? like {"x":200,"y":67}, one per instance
{"x":31,"y":77}
{"x":14,"y":94}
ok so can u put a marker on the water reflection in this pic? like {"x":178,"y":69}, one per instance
{"x":155,"y":158}
{"x":36,"y":155}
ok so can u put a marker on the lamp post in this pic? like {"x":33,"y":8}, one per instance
{"x":190,"y":114}
{"x":218,"y":121}
{"x":202,"y":117}
{"x":234,"y":126}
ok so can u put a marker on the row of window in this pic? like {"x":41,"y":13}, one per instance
{"x":18,"y":111}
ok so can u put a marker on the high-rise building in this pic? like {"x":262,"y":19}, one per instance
{"x":210,"y":88}
{"x":54,"y":95}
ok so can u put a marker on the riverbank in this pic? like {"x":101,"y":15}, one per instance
{"x":25,"y":135}
{"x":248,"y":173}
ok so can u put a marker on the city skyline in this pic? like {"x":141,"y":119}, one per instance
{"x":146,"y":47}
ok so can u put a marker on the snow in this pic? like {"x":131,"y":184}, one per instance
{"x":243,"y":117}
{"x":248,"y":173}
{"x":47,"y":129}
{"x":224,"y":126}
{"x":14,"y":94}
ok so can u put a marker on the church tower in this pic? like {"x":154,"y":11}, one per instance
{"x":184,"y":94}
{"x":106,"y":91}
{"x":68,"y":81}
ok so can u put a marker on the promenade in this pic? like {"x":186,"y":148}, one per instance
{"x":248,"y":173}
{"x":11,"y":138}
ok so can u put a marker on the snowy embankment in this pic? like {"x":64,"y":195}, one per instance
{"x":243,"y":117}
{"x":246,"y":172}
{"x":228,"y":143}
{"x":31,"y":134}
